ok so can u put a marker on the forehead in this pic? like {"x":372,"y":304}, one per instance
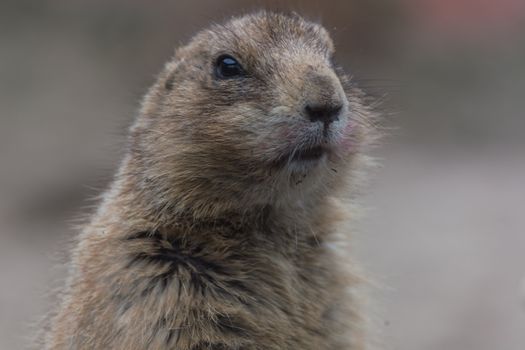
{"x":269,"y":33}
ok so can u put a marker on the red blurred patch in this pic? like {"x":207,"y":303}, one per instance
{"x":468,"y":16}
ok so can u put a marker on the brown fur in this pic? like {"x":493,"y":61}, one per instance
{"x":211,"y":237}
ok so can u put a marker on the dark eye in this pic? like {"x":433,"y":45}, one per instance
{"x":228,"y":67}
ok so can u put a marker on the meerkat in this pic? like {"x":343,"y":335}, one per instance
{"x":220,"y":229}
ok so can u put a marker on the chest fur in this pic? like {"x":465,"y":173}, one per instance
{"x":230,"y":290}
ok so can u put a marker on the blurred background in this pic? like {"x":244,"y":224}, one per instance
{"x":444,"y":234}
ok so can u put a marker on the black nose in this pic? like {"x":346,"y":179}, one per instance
{"x":323,"y":113}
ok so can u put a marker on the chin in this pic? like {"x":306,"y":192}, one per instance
{"x":305,"y":166}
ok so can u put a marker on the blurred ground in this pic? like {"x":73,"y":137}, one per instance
{"x":445,"y":232}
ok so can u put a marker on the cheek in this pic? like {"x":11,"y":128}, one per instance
{"x":286,"y":134}
{"x":279,"y":136}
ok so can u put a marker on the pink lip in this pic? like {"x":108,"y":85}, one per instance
{"x":344,"y":144}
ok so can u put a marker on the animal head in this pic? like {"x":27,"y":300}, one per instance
{"x":250,"y":113}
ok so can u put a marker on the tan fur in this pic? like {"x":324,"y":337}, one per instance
{"x":211,"y":237}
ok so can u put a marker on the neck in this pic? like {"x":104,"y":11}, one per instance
{"x":141,"y":207}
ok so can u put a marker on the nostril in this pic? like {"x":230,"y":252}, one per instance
{"x":323,"y":113}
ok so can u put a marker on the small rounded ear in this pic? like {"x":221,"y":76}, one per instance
{"x":170,"y":73}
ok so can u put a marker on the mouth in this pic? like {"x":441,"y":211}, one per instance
{"x":309,"y":154}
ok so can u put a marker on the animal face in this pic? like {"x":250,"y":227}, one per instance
{"x":252,"y":106}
